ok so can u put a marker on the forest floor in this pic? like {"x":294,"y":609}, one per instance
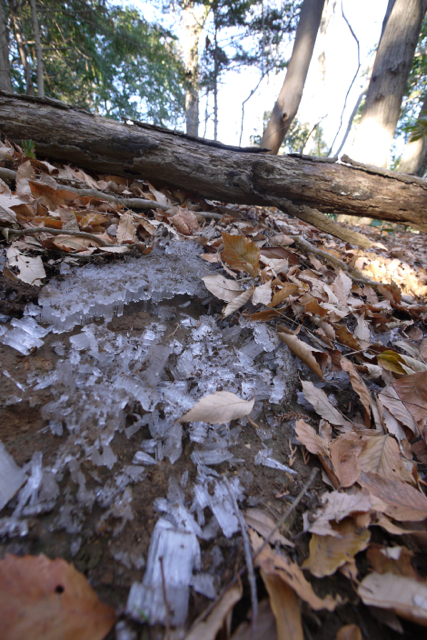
{"x":116,"y":342}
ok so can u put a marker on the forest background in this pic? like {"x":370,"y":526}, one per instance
{"x":212,"y":68}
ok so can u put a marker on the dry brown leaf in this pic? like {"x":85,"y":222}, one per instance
{"x":404,"y":596}
{"x":72,"y":243}
{"x":396,"y":560}
{"x":302,"y":350}
{"x":349,"y":632}
{"x":292,"y":575}
{"x":27,"y":269}
{"x":185,"y":221}
{"x":287,"y":290}
{"x":222,"y":288}
{"x":265,"y":625}
{"x":45,"y":599}
{"x":398,"y":410}
{"x":412,"y":391}
{"x":402,"y":501}
{"x":284,"y":604}
{"x":362,"y":331}
{"x":322,"y":406}
{"x":342,"y":287}
{"x":264,"y":525}
{"x":310,"y":439}
{"x":126,"y":233}
{"x":241,"y":254}
{"x":382,"y":455}
{"x":92,"y":220}
{"x":262,"y":294}
{"x":360,"y":388}
{"x":328,"y":553}
{"x":237,"y":302}
{"x":347,"y":338}
{"x":218,"y":408}
{"x":337,"y":507}
{"x":208,"y":629}
{"x":23,"y":175}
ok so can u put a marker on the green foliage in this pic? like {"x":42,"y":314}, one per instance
{"x":29,"y":148}
{"x":106,"y":58}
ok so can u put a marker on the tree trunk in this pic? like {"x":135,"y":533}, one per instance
{"x":39,"y":51}
{"x":414,"y":158}
{"x":194,"y":17}
{"x":5,"y":82}
{"x":389,"y":76}
{"x":297,"y":185}
{"x":287,"y":103}
{"x":21,"y":44}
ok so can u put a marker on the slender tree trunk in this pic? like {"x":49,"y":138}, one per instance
{"x":414,"y":158}
{"x":389,"y":76}
{"x":39,"y":51}
{"x":194,"y":17}
{"x":20,"y":41}
{"x":215,"y":91}
{"x":287,"y":103}
{"x":5,"y":81}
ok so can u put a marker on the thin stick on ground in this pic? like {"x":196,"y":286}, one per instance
{"x":242,"y":571}
{"x":248,"y":553}
{"x":168,"y":626}
{"x":55,"y":232}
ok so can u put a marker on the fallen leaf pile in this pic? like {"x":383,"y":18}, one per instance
{"x":366,"y":332}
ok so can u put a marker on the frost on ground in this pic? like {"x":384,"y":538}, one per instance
{"x":129,"y":380}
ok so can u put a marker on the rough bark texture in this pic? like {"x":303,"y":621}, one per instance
{"x":414,"y":158}
{"x":5,"y":82}
{"x":212,"y":170}
{"x":287,"y":103}
{"x":193,"y":20}
{"x":39,"y":50}
{"x":390,"y":73}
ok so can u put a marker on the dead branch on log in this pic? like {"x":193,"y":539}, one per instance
{"x":217,"y":172}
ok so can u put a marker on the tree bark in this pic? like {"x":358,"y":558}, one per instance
{"x":287,"y":103}
{"x":5,"y":81}
{"x":389,"y":76}
{"x":39,"y":51}
{"x":194,"y":17}
{"x":414,"y":157}
{"x":21,"y":44}
{"x":302,"y":186}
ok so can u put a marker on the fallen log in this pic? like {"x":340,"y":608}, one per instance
{"x":304,"y":187}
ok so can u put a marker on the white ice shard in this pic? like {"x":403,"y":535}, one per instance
{"x":12,"y":477}
{"x":101,"y":291}
{"x":264,"y":458}
{"x":172,"y":556}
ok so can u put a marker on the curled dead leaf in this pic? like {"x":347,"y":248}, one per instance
{"x":218,"y":408}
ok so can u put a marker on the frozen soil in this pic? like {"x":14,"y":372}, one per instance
{"x":93,"y":502}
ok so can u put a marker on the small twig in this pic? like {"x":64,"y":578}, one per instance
{"x":248,"y":553}
{"x":167,"y":634}
{"x":56,"y":232}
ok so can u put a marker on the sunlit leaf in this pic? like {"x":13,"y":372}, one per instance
{"x":218,"y":408}
{"x":241,"y":254}
{"x":221,"y":287}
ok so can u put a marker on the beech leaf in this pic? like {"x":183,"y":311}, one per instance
{"x":328,"y":553}
{"x":404,"y":596}
{"x":302,"y":350}
{"x":402,"y":502}
{"x":45,"y":599}
{"x":126,"y":230}
{"x":30,"y":270}
{"x":208,"y":629}
{"x":221,"y":287}
{"x":237,"y":302}
{"x":218,"y":408}
{"x":241,"y":254}
{"x":360,"y":388}
{"x":322,"y":406}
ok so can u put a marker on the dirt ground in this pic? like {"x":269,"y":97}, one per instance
{"x":112,"y":563}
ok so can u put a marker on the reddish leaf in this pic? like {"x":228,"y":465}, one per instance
{"x":45,"y":599}
{"x":241,"y":254}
